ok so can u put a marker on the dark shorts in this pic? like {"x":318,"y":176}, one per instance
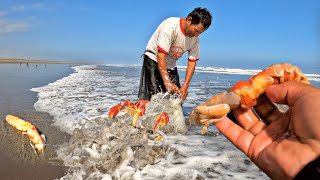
{"x":151,"y":81}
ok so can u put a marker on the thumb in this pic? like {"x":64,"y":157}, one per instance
{"x":288,"y":92}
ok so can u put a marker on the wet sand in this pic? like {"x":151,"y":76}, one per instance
{"x":17,"y":157}
{"x":20,"y":159}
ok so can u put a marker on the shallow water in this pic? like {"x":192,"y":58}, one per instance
{"x":18,"y":159}
{"x":103,"y":148}
{"x":16,"y":81}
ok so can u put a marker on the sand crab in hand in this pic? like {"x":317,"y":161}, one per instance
{"x":136,"y":110}
{"x":244,"y":93}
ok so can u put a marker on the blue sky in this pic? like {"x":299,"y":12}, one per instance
{"x":243,"y":32}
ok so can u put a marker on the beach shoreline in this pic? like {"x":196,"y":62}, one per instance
{"x":33,"y":61}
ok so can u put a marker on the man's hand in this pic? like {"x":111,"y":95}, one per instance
{"x":284,"y":142}
{"x":171,"y":87}
{"x":184,"y":92}
{"x":189,"y":73}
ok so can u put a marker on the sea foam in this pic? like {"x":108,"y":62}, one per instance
{"x":101,"y":148}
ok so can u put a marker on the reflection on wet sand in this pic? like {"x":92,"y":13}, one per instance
{"x":18,"y":159}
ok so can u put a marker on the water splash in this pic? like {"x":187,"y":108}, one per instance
{"x":78,"y":103}
{"x":103,"y":148}
{"x":172,"y":104}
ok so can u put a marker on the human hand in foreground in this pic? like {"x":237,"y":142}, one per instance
{"x":285,"y":142}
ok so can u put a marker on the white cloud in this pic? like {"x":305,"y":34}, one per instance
{"x":38,"y":6}
{"x":13,"y":26}
{"x":3,"y":13}
{"x":34,"y":6}
{"x":84,"y":9}
{"x":8,"y":25}
{"x":18,"y":8}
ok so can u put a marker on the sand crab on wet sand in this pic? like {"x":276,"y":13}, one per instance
{"x":38,"y":141}
{"x":137,"y":109}
{"x":244,"y":94}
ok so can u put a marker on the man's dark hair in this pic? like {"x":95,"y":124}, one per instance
{"x":201,"y":15}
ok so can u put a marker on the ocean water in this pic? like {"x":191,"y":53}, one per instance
{"x":17,"y":79}
{"x":101,"y":148}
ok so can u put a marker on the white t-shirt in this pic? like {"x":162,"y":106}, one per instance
{"x":170,"y":39}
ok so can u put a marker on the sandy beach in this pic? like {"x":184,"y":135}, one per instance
{"x":21,"y":160}
{"x":18,"y":159}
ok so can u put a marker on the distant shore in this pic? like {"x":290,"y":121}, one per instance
{"x":13,"y":61}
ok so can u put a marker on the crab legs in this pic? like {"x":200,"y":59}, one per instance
{"x":244,"y":94}
{"x":137,"y":110}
